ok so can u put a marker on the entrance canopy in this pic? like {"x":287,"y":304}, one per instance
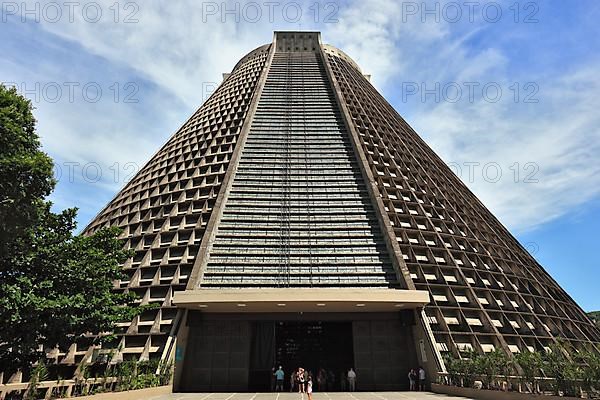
{"x":300,"y":300}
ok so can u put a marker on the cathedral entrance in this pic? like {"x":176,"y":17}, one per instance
{"x":226,"y":352}
{"x":324,"y":348}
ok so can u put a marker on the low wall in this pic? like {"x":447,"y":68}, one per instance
{"x":482,"y":394}
{"x":129,"y":394}
{"x":68,"y":384}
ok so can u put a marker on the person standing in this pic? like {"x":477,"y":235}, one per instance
{"x":422,"y":377}
{"x":307,"y":373}
{"x":272,"y":379}
{"x":321,"y":380}
{"x":293,"y":376}
{"x":412,"y":378}
{"x":330,"y":379}
{"x":279,"y":375}
{"x":301,"y":381}
{"x":351,"y":380}
{"x":343,"y":381}
{"x":309,"y":387}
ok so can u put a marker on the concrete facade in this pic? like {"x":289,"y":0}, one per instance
{"x":296,"y":183}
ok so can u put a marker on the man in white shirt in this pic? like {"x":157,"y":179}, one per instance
{"x":422,"y":377}
{"x":352,"y":380}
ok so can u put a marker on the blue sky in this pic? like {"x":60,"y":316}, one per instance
{"x":532,"y":150}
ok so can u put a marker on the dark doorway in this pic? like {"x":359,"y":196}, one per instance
{"x":225,"y":352}
{"x":322,"y":347}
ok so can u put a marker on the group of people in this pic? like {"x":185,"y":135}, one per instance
{"x":302,"y":381}
{"x":416,"y":379}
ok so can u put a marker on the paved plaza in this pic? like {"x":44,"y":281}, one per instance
{"x":316,"y":396}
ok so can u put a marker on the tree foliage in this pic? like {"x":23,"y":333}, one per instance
{"x":530,"y":363}
{"x":25,"y":171}
{"x":492,"y":364}
{"x":54,"y":285}
{"x":561,"y":368}
{"x":590,"y":371}
{"x":489,"y":366}
{"x":595,"y":317}
{"x":558,"y":364}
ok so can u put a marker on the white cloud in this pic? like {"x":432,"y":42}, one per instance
{"x":560,"y":134}
{"x":171,"y":47}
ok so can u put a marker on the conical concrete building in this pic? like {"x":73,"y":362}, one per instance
{"x":296,"y":219}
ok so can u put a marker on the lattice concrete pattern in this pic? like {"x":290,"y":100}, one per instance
{"x":297,"y":172}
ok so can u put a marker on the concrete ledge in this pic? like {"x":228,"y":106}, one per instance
{"x":131,"y":394}
{"x":483,"y":394}
{"x":301,"y":300}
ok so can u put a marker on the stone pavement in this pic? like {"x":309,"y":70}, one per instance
{"x":298,"y":396}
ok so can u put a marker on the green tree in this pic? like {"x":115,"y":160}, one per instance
{"x":558,"y":364}
{"x":54,"y":286}
{"x":530,"y":363}
{"x":469,"y":367}
{"x":491,"y":365}
{"x":463,"y":370}
{"x":453,"y":369}
{"x":508,"y":368}
{"x":591,"y":370}
{"x":595,"y":317}
{"x":590,"y":361}
{"x":25,"y":171}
